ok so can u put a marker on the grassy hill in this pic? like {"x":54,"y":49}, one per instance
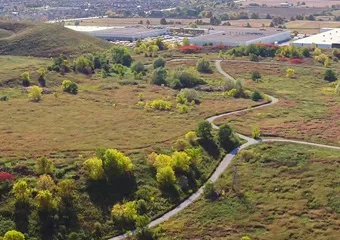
{"x":45,"y":40}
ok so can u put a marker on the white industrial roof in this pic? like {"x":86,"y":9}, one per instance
{"x":327,"y":37}
{"x":89,"y":28}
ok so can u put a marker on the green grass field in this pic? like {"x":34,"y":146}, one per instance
{"x":288,"y":192}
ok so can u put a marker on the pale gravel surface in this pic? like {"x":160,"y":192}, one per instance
{"x":227,"y":159}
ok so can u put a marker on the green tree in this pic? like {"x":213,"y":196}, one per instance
{"x":180,"y":161}
{"x":255,"y":76}
{"x":256,"y":96}
{"x":195,"y":155}
{"x":159,"y":62}
{"x":66,"y":189}
{"x":45,"y":182}
{"x":35,"y":93}
{"x":203,"y":66}
{"x":21,"y":191}
{"x":26,"y":79}
{"x":14,"y":235}
{"x":159,"y":76}
{"x":124,"y":214}
{"x":41,"y":78}
{"x":94,"y":168}
{"x":255,"y":133}
{"x":84,"y":65}
{"x":210,"y":191}
{"x":45,"y":200}
{"x":166,"y":176}
{"x":45,"y":166}
{"x":138,"y":67}
{"x":185,"y":42}
{"x":226,"y":138}
{"x":204,"y":130}
{"x":330,"y":75}
{"x":115,"y":164}
{"x":121,"y":55}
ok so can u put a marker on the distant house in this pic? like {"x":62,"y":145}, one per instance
{"x":285,"y":4}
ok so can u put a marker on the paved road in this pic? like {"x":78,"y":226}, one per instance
{"x":227,"y":159}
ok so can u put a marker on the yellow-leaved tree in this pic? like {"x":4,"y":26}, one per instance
{"x":290,"y":73}
{"x":94,"y":168}
{"x":35,"y":94}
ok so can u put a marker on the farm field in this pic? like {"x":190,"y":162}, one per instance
{"x":312,"y":114}
{"x":311,"y":27}
{"x":287,"y":191}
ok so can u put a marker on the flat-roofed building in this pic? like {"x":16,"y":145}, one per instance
{"x":242,"y":36}
{"x":327,"y":38}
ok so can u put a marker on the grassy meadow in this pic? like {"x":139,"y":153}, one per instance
{"x":287,"y":191}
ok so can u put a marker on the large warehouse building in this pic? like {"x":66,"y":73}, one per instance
{"x":120,"y":33}
{"x":242,"y":36}
{"x":327,"y":38}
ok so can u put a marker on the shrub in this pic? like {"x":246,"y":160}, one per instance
{"x":159,"y":76}
{"x":255,"y":133}
{"x":180,"y":161}
{"x":45,"y":166}
{"x":159,"y":104}
{"x":296,"y":61}
{"x":190,"y":49}
{"x":253,"y":57}
{"x":204,"y":130}
{"x":166,"y":176}
{"x":14,"y":235}
{"x":45,"y":182}
{"x":120,"y":55}
{"x":203,"y":66}
{"x":290,"y":73}
{"x":190,"y":95}
{"x":5,"y":176}
{"x":124,"y":214}
{"x":3,"y":98}
{"x":69,"y":87}
{"x":41,"y":78}
{"x":35,"y":94}
{"x":330,"y":75}
{"x":191,"y":137}
{"x":255,"y":76}
{"x":25,"y":79}
{"x":159,"y":62}
{"x":181,"y":144}
{"x":83,"y":64}
{"x":256,"y":96}
{"x":184,"y":78}
{"x":162,"y":160}
{"x":195,"y":155}
{"x":210,"y":191}
{"x":137,"y":67}
{"x":182,"y":108}
{"x":185,"y":42}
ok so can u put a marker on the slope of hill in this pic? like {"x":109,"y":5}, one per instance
{"x":45,"y":40}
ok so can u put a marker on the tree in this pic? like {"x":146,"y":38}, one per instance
{"x":14,"y":235}
{"x":226,"y":138}
{"x":290,"y":73}
{"x":203,"y":66}
{"x":162,"y":160}
{"x":210,"y":191}
{"x":191,"y":137}
{"x":256,"y":96}
{"x":45,"y":182}
{"x":255,"y":76}
{"x":84,"y":65}
{"x":115,"y":164}
{"x":330,"y":75}
{"x":66,"y":189}
{"x":45,"y":166}
{"x":180,"y":161}
{"x":21,"y":191}
{"x":255,"y":133}
{"x":163,"y":21}
{"x":159,"y":76}
{"x":94,"y":169}
{"x":159,"y":62}
{"x":124,"y":214}
{"x":45,"y":200}
{"x":35,"y":93}
{"x":166,"y":176}
{"x":137,"y":67}
{"x":69,"y":86}
{"x":25,"y":79}
{"x":181,"y":144}
{"x":186,"y":42}
{"x":195,"y":155}
{"x":204,"y":130}
{"x":41,"y":78}
{"x":121,"y":55}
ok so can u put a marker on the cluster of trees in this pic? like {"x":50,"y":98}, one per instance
{"x":320,"y":57}
{"x":150,"y":48}
{"x":262,"y":50}
{"x":26,"y":78}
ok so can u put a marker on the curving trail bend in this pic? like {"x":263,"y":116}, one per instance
{"x":227,"y":159}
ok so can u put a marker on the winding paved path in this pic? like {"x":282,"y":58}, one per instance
{"x":227,"y":159}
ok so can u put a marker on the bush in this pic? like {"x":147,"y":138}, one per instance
{"x":159,"y":104}
{"x":35,"y":94}
{"x":166,"y":176}
{"x":120,"y":55}
{"x":159,"y":76}
{"x":3,"y":98}
{"x":255,"y":76}
{"x":45,"y":166}
{"x":210,"y":191}
{"x":159,"y":62}
{"x":290,"y":73}
{"x":94,"y":169}
{"x":124,"y":214}
{"x":255,"y":133}
{"x":190,"y":49}
{"x":84,"y":65}
{"x":182,"y":108}
{"x":14,"y":235}
{"x":137,"y":67}
{"x":203,"y":66}
{"x":253,"y":57}
{"x":190,"y":95}
{"x":330,"y":75}
{"x":181,"y":144}
{"x":296,"y":61}
{"x":69,"y":87}
{"x":191,"y":137}
{"x":184,"y":78}
{"x":256,"y":96}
